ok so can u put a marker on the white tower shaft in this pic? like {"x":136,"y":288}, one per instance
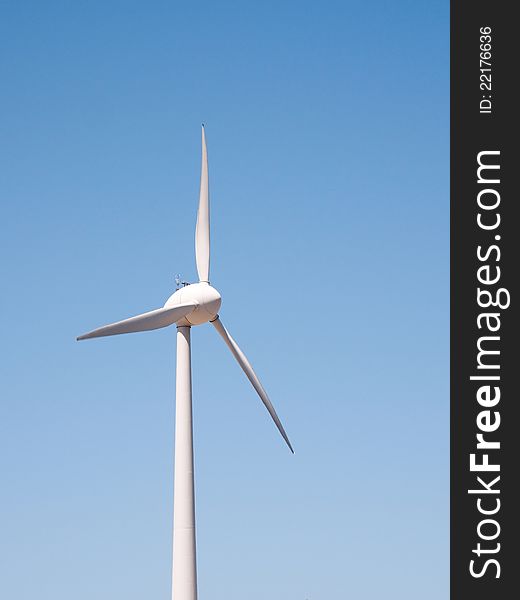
{"x":184,"y":584}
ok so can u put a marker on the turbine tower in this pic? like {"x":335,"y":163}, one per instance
{"x":190,"y":305}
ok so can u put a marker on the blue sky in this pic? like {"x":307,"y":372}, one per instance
{"x":327,"y":127}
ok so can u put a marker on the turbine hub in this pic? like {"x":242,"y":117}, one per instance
{"x":207,"y":298}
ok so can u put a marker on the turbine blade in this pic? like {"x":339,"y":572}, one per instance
{"x":155,"y":319}
{"x":251,"y":375}
{"x":202,"y":227}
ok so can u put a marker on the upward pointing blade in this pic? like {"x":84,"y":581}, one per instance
{"x":251,"y":375}
{"x":202,"y":227}
{"x":155,"y":319}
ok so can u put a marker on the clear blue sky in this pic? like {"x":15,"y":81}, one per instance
{"x":327,"y":128}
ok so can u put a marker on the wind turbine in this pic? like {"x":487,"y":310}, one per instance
{"x":190,"y":305}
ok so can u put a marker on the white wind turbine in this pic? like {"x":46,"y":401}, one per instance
{"x":191,"y":305}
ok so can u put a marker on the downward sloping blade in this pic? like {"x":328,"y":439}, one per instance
{"x":202,"y":228}
{"x":155,"y":319}
{"x":251,"y":375}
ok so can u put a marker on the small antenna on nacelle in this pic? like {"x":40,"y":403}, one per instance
{"x":179,"y":281}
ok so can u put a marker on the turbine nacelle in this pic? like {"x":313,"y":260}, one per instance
{"x":206,"y":299}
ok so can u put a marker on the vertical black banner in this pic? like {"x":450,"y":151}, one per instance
{"x":485,"y":267}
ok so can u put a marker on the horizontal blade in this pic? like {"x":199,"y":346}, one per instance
{"x":251,"y":375}
{"x":202,"y":227}
{"x":155,"y":319}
